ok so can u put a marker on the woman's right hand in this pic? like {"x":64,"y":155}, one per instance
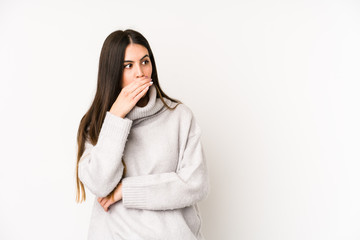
{"x":129,"y":96}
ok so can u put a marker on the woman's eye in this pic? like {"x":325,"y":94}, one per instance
{"x":130,"y":64}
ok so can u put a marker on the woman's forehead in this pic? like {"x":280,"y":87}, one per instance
{"x":135,"y":52}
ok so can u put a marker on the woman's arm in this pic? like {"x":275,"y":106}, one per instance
{"x":100,"y":167}
{"x":185,"y":187}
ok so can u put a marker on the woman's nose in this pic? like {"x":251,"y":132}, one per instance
{"x":139,"y":71}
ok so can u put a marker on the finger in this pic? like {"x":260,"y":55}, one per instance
{"x":107,"y":205}
{"x":137,"y":83}
{"x":141,"y":94}
{"x":134,"y":88}
{"x":140,"y":90}
{"x":103,"y":201}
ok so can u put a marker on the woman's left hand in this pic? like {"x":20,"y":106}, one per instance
{"x":113,"y":197}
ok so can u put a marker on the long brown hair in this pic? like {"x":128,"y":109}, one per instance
{"x":108,"y":88}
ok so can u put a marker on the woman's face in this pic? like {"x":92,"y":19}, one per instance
{"x":136,"y":64}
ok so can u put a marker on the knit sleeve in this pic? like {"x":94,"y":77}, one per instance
{"x":100,"y":166}
{"x":165,"y":191}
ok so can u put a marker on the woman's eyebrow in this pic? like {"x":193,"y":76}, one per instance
{"x":140,"y":59}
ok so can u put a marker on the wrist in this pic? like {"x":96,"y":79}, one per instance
{"x":118,"y":114}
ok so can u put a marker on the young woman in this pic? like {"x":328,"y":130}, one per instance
{"x":139,"y":151}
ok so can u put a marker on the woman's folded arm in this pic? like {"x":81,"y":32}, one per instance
{"x":100,"y":166}
{"x":164,"y":191}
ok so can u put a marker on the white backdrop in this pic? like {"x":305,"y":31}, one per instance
{"x":274,"y":86}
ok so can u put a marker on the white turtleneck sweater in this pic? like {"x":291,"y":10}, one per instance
{"x":166,"y":174}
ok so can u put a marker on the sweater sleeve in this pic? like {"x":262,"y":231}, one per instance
{"x":166,"y":191}
{"x":100,"y":166}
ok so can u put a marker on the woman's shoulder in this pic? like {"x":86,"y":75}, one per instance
{"x":182,"y":109}
{"x":184,"y":113}
{"x":185,"y":116}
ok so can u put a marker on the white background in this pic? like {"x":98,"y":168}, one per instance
{"x":274,"y":86}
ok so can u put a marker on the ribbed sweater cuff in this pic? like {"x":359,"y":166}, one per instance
{"x":133,"y":195}
{"x":115,"y":127}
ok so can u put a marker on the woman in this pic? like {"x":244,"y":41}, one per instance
{"x":139,"y":151}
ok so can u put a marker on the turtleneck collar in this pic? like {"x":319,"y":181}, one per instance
{"x":153,"y":106}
